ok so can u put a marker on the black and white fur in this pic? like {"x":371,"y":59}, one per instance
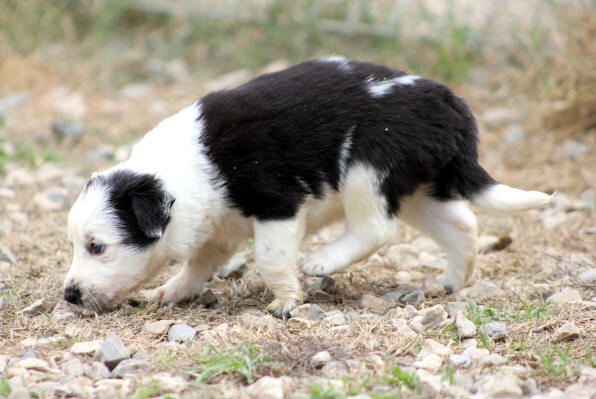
{"x":277,"y":158}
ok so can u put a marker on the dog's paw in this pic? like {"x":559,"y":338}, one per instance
{"x":317,"y":264}
{"x":281,"y":308}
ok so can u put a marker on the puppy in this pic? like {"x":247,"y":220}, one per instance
{"x":277,"y":158}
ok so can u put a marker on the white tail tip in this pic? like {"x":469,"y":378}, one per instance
{"x":502,"y":198}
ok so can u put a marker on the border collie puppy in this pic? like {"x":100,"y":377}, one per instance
{"x":275,"y":159}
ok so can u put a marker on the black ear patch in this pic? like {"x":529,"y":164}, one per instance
{"x":140,"y":203}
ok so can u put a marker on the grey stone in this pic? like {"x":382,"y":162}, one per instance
{"x":529,"y":387}
{"x":433,"y":287}
{"x":316,"y":312}
{"x":63,"y":315}
{"x":574,"y":149}
{"x":453,"y":307}
{"x":112,"y":351}
{"x":35,"y":308}
{"x":73,"y":367}
{"x":129,"y":368}
{"x":97,"y":371}
{"x":494,"y":329}
{"x":181,"y":333}
{"x":66,"y":129}
{"x":459,"y":361}
{"x":335,"y":369}
{"x":320,"y":359}
{"x":566,"y":295}
{"x":327,"y":283}
{"x":588,"y":277}
{"x":27,"y":353}
{"x":566,"y":332}
{"x":404,"y":294}
{"x":266,"y":388}
{"x":11,"y":102}
{"x":334,"y":319}
{"x":6,"y":255}
{"x":157,"y":328}
{"x":465,"y":328}
{"x":430,"y":384}
{"x":373,"y":304}
{"x":484,"y":290}
{"x":208,"y":298}
{"x":433,"y":316}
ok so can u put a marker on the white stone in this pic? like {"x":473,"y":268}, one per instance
{"x":374,"y":304}
{"x":484,"y":290}
{"x":588,"y":277}
{"x":97,"y":371}
{"x":565,"y":296}
{"x":501,"y":385}
{"x":169,"y":382}
{"x":416,"y":324}
{"x":334,"y":319}
{"x":433,"y":316}
{"x":86,"y":348}
{"x":566,"y":332}
{"x":320,"y":358}
{"x":432,"y":362}
{"x":465,"y":327}
{"x":431,"y":346}
{"x":266,"y":388}
{"x":181,"y":333}
{"x":429,"y":383}
{"x":157,"y":328}
{"x":494,"y":359}
{"x":459,"y":361}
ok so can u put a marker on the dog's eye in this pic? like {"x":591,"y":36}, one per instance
{"x":96,"y":248}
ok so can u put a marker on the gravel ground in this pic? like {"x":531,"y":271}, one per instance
{"x":382,"y":328}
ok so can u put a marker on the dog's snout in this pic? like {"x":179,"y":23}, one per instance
{"x":72,"y":294}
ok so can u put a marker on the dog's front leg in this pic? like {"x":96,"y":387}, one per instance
{"x":276,"y":251}
{"x":191,"y":279}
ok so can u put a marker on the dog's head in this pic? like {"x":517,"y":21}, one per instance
{"x":115,"y":226}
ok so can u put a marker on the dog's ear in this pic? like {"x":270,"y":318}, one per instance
{"x":152,"y":210}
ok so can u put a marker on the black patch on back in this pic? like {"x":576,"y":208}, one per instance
{"x":278,"y":138}
{"x":140,"y":203}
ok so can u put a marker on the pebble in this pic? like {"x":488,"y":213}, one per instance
{"x":566,"y":295}
{"x":493,"y":359}
{"x":431,"y":346}
{"x":6,"y":255}
{"x":157,"y":328}
{"x":433,"y":287}
{"x":588,"y":277}
{"x":320,"y":359}
{"x":529,"y":387}
{"x":63,"y":315}
{"x":310,"y":311}
{"x":181,"y":333}
{"x":335,"y":369}
{"x":170,"y":383}
{"x":35,"y":308}
{"x":374,"y":304}
{"x":484,"y":290}
{"x":11,"y":102}
{"x":566,"y":332}
{"x":501,"y":385}
{"x":66,"y":129}
{"x":266,"y":388}
{"x":465,"y":328}
{"x":494,"y":329}
{"x":574,"y":149}
{"x":86,"y":348}
{"x":433,"y":316}
{"x":73,"y":367}
{"x":97,"y":371}
{"x":334,"y":319}
{"x":416,"y":324}
{"x":453,"y":307}
{"x":52,"y":199}
{"x":129,"y":368}
{"x":26,"y":353}
{"x":459,"y":361}
{"x":430,"y":384}
{"x":432,"y":362}
{"x":112,"y":351}
{"x":476,"y":354}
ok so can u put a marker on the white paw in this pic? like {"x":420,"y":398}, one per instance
{"x":316,"y":265}
{"x":451,"y":282}
{"x":170,"y":292}
{"x":281,"y":308}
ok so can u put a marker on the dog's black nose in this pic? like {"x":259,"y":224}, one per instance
{"x":72,"y":294}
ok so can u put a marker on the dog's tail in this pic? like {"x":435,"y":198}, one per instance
{"x":472,"y":182}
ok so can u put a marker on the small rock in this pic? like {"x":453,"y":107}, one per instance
{"x":588,"y":277}
{"x":97,"y":371}
{"x":574,"y":149}
{"x":433,"y":316}
{"x":135,"y":90}
{"x":465,"y":328}
{"x":529,"y":387}
{"x":207,"y":298}
{"x":484,"y":290}
{"x":476,"y":354}
{"x":181,"y":333}
{"x":86,"y":348}
{"x":494,"y":329}
{"x":416,"y":324}
{"x":335,"y":369}
{"x":514,"y":135}
{"x":266,"y":388}
{"x":6,"y":255}
{"x":32,"y":363}
{"x":66,"y":129}
{"x":429,"y":384}
{"x":129,"y":368}
{"x":334,"y":319}
{"x":73,"y":367}
{"x":459,"y":361}
{"x":374,"y":304}
{"x":453,"y":307}
{"x":499,"y":385}
{"x":11,"y":102}
{"x":52,"y":199}
{"x":299,"y":323}
{"x":430,"y":362}
{"x":431,"y":346}
{"x":169,"y":382}
{"x":319,"y":359}
{"x":493,"y":359}
{"x":27,"y":353}
{"x":35,"y":308}
{"x":566,"y":332}
{"x":112,"y":351}
{"x":433,"y":287}
{"x":565,"y":296}
{"x":157,"y":328}
{"x":63,"y":315}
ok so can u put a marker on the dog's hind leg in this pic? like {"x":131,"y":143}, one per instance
{"x":369,"y":226}
{"x":276,"y":251}
{"x":194,"y":274}
{"x":452,"y":225}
